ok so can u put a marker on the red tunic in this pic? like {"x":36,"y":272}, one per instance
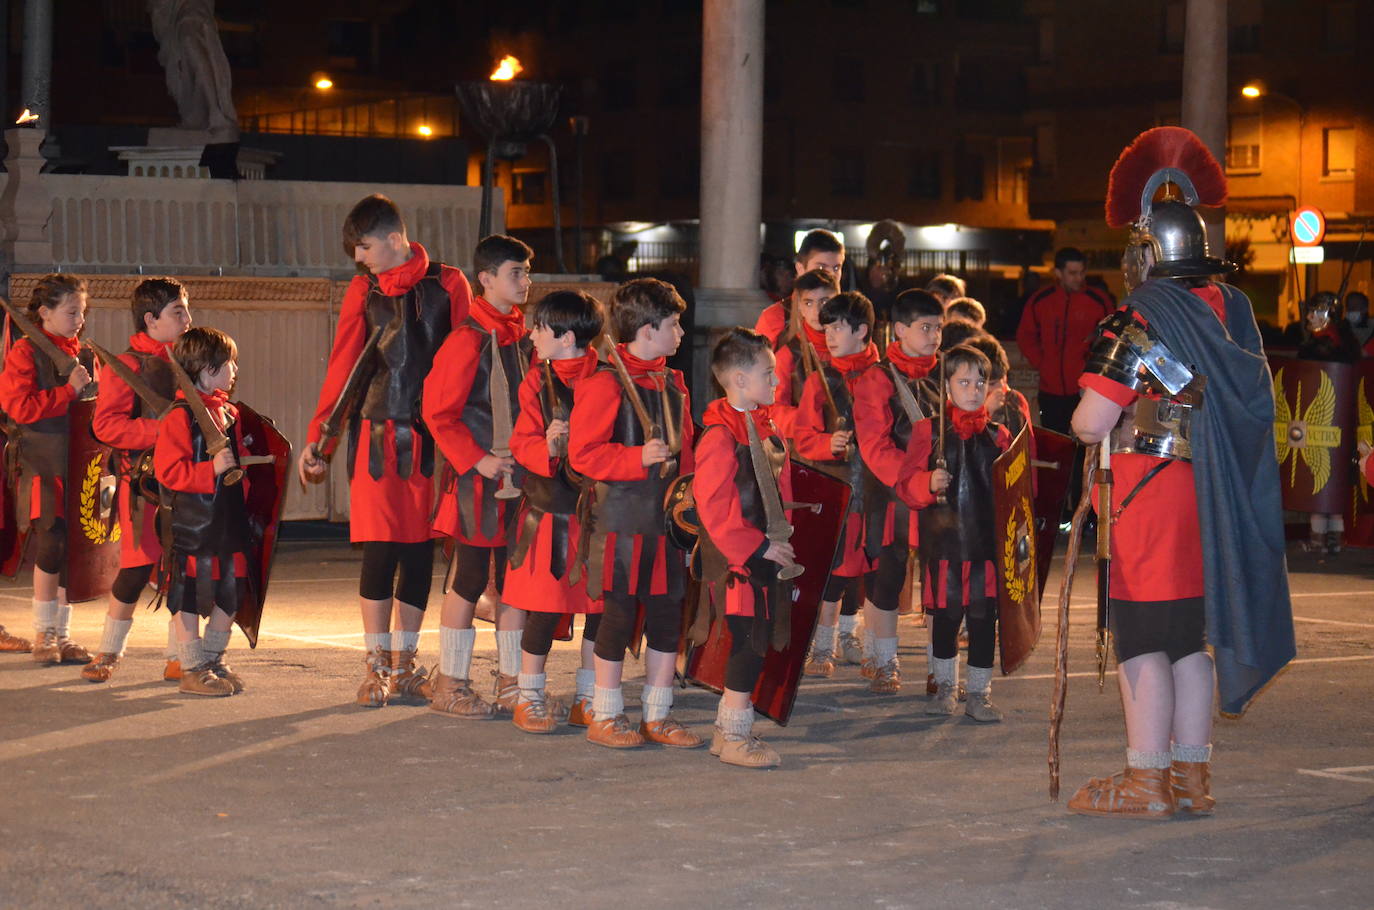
{"x":813,"y":442}
{"x":592,"y":454}
{"x":787,"y":364}
{"x":177,"y":469}
{"x":25,"y":402}
{"x":718,"y":499}
{"x":1156,"y":540}
{"x":531,"y":586}
{"x":114,"y":425}
{"x":873,"y":420}
{"x":772,"y":322}
{"x":913,"y":486}
{"x":392,"y":508}
{"x":446,"y":395}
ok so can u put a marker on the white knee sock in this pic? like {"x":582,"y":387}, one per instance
{"x":455,"y":652}
{"x":405,"y":640}
{"x":946,"y":670}
{"x":735,"y":722}
{"x":374,"y":640}
{"x":608,"y":703}
{"x":532,"y":686}
{"x":508,"y":651}
{"x":216,"y":642}
{"x":824,"y":640}
{"x":979,"y":680}
{"x":172,"y":652}
{"x":44,"y":615}
{"x":1148,"y":760}
{"x":1192,"y":753}
{"x":656,"y":702}
{"x":586,"y":683}
{"x":64,"y":620}
{"x":190,"y":654}
{"x":884,"y":650}
{"x":848,"y":623}
{"x":116,"y":634}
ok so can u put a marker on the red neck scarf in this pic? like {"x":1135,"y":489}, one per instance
{"x":143,"y":343}
{"x":572,"y":369}
{"x":914,"y":367}
{"x":637,"y":367}
{"x":396,"y":281}
{"x":71,"y":346}
{"x":721,"y":413}
{"x":509,"y":327}
{"x":817,"y":339}
{"x":853,"y":363}
{"x":966,"y":423}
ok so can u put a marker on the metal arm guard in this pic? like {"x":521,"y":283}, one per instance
{"x":1131,"y":354}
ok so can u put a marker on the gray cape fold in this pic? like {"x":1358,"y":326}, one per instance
{"x":1236,"y":474}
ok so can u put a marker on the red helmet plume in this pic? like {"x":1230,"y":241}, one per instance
{"x":1155,"y":150}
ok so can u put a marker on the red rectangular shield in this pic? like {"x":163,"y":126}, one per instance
{"x":1314,"y":432}
{"x":92,"y":529}
{"x":1018,"y":587}
{"x":267,"y":480}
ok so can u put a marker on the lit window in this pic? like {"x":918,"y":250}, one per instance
{"x":1338,"y":147}
{"x":1243,"y":144}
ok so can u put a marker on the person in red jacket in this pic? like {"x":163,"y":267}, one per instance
{"x":36,"y":398}
{"x":802,"y":344}
{"x":733,"y":522}
{"x":819,"y":249}
{"x":204,"y":518}
{"x":630,"y":562}
{"x":826,"y":435}
{"x":484,"y":359}
{"x":391,"y":486}
{"x":882,"y":429}
{"x":959,"y":581}
{"x":544,"y":546}
{"x":1057,"y":326}
{"x":125,"y":422}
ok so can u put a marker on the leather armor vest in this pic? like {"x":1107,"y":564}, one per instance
{"x":557,"y":494}
{"x":157,"y":373}
{"x":961,"y":530}
{"x":853,"y":470}
{"x":207,"y":524}
{"x":636,"y":507}
{"x":877,"y":496}
{"x":414,"y":325}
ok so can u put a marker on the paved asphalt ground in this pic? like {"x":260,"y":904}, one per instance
{"x":129,"y":794}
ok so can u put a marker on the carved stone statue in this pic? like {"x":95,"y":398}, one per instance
{"x":198,"y":76}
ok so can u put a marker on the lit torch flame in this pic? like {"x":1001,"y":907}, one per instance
{"x":507,"y":69}
{"x":27,"y":117}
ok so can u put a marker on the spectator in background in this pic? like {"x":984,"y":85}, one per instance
{"x":1056,"y":329}
{"x":1357,"y":314}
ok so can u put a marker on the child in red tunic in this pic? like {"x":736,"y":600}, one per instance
{"x":543,"y":549}
{"x":129,"y":424}
{"x":819,"y":249}
{"x":391,"y":456}
{"x":630,"y":561}
{"x":204,"y":518}
{"x":484,"y":360}
{"x":959,"y":581}
{"x":728,"y":502}
{"x":36,"y":398}
{"x":882,"y":428}
{"x":802,"y":345}
{"x":826,"y":434}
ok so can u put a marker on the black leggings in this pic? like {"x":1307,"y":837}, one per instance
{"x":382,"y":558}
{"x":662,"y":624}
{"x":471,"y":569}
{"x":982,"y":636}
{"x":50,"y":549}
{"x":539,"y":628}
{"x":848,"y":591}
{"x":129,"y":583}
{"x":745,"y":664}
{"x":884,"y":584}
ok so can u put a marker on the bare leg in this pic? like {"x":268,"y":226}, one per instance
{"x":457,"y":613}
{"x":119,"y":610}
{"x":1194,"y":682}
{"x":1147,"y":695}
{"x":45,"y":586}
{"x":608,"y":673}
{"x":406,"y":617}
{"x":880,"y":623}
{"x":376,"y":615}
{"x":658,"y":667}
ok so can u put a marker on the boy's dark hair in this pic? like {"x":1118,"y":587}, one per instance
{"x":1064,"y":255}
{"x":818,"y":241}
{"x":641,"y":302}
{"x":498,"y":249}
{"x":851,"y":307}
{"x":967,"y":308}
{"x":204,"y":349}
{"x":738,"y":349}
{"x":49,"y":292}
{"x":151,"y":297}
{"x":373,"y":216}
{"x":947,"y":286}
{"x":966,"y":355}
{"x":916,"y":304}
{"x":814,"y":280}
{"x":569,"y":311}
{"x":997,"y":356}
{"x":957,"y":331}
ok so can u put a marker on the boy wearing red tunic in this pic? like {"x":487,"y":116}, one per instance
{"x":947,"y":475}
{"x":819,"y":249}
{"x":543,"y":548}
{"x":824,"y":432}
{"x":729,"y":503}
{"x":127,"y":423}
{"x":882,"y":428}
{"x":416,"y":303}
{"x":630,"y":561}
{"x":476,"y":376}
{"x":801,"y":347}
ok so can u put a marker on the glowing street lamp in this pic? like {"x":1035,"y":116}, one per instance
{"x":507,"y":69}
{"x":323,"y":82}
{"x":425,"y":130}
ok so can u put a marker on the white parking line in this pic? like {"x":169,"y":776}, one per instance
{"x":1349,"y":774}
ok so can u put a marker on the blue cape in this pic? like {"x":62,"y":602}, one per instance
{"x":1236,"y":474}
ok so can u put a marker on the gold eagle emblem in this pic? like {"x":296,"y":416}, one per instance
{"x":1307,"y":434}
